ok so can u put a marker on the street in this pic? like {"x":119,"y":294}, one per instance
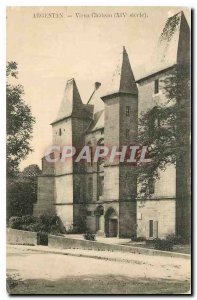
{"x":41,"y":270}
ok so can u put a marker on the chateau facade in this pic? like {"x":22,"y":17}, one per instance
{"x":102,"y":196}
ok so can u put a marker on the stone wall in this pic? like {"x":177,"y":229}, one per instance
{"x":45,"y":198}
{"x":20,"y":237}
{"x":70,"y":243}
{"x":162,"y":212}
{"x":127,"y":218}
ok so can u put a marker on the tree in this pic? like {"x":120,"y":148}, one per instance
{"x":22,"y":192}
{"x":19,"y":122}
{"x":166,"y":129}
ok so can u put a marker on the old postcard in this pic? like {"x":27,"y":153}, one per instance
{"x":98,"y":150}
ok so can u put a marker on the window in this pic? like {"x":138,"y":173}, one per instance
{"x":127,"y":133}
{"x":150,"y":228}
{"x":139,"y":216}
{"x":60,"y":155}
{"x":97,"y":223}
{"x":100,"y":185}
{"x":156,"y":86}
{"x":101,"y":160}
{"x":60,"y":131}
{"x":127,"y":111}
{"x":90,"y":163}
{"x":91,"y":155}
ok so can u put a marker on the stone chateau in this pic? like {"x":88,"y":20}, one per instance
{"x":103,"y":196}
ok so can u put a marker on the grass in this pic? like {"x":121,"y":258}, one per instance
{"x":186,"y":249}
{"x":97,"y":285}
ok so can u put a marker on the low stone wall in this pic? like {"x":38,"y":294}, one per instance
{"x":20,"y":237}
{"x":70,"y":243}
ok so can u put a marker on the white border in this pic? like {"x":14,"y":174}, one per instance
{"x":191,"y":4}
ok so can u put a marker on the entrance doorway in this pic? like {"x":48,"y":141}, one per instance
{"x":113,"y":227}
{"x":111,"y":223}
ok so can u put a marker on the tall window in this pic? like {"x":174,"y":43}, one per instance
{"x":60,"y":131}
{"x":150,"y":228}
{"x":127,"y":111}
{"x":100,"y":175}
{"x":101,"y":160}
{"x":91,"y":153}
{"x":156,"y":86}
{"x":100,"y":185}
{"x":97,"y":223}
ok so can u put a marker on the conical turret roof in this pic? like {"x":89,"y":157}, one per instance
{"x":71,"y":104}
{"x":123,"y":79}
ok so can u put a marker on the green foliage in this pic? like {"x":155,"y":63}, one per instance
{"x":19,"y":122}
{"x":22,"y":192}
{"x":44,"y":223}
{"x":176,"y":240}
{"x":138,"y":239}
{"x":170,"y":27}
{"x":166,"y":128}
{"x":78,"y":227}
{"x":11,"y":69}
{"x":89,"y":236}
{"x":15,"y":223}
{"x":163,"y":244}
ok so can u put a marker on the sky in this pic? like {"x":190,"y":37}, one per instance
{"x":81,"y":44}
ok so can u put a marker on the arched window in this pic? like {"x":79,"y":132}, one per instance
{"x":100,"y":185}
{"x":100,"y":172}
{"x":99,"y":211}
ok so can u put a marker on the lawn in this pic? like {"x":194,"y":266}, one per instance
{"x":97,"y":285}
{"x":186,"y":249}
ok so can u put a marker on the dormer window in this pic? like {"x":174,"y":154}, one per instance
{"x":156,"y":90}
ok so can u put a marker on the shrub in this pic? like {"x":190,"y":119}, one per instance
{"x":42,"y":238}
{"x":89,"y":236}
{"x":138,"y":239}
{"x":71,"y":230}
{"x":27,"y":219}
{"x":161,"y":244}
{"x":15,"y":223}
{"x":176,"y":239}
{"x":31,"y":227}
{"x":44,"y":223}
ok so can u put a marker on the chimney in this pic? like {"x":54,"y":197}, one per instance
{"x":97,"y":85}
